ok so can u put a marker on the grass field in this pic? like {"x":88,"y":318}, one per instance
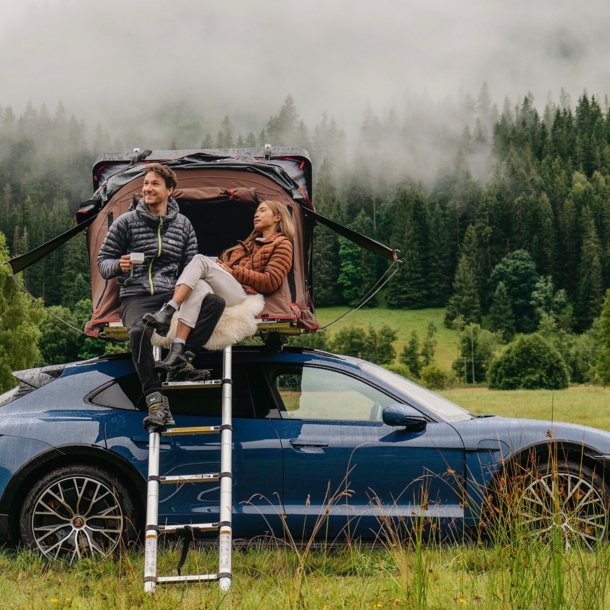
{"x":499,"y":576}
{"x":586,"y":405}
{"x":404,"y":322}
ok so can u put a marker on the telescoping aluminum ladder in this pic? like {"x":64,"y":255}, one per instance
{"x":224,"y":526}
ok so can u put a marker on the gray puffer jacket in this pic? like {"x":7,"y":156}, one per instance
{"x":168,"y":243}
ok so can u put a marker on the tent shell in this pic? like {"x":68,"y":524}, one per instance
{"x":218,"y":191}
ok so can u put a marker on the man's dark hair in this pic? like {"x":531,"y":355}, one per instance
{"x":169,"y":175}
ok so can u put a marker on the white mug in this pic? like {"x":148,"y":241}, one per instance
{"x":137,"y":258}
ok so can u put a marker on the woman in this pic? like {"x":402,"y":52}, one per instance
{"x":257,"y":265}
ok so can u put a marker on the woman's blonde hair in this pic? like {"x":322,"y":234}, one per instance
{"x":285,"y":225}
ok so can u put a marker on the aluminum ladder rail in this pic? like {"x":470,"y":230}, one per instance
{"x":224,"y":526}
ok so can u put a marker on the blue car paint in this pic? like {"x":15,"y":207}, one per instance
{"x":491,"y":441}
{"x":274,"y":480}
{"x":357,"y":472}
{"x":257,"y":476}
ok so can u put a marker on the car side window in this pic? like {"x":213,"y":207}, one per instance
{"x":124,"y":393}
{"x":324,"y":394}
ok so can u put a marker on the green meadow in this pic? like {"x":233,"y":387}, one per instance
{"x":404,"y":322}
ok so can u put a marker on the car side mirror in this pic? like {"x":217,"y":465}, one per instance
{"x":404,"y":415}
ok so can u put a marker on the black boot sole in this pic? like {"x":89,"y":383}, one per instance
{"x":161,"y":367}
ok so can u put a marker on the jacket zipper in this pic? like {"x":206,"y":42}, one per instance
{"x":152,"y":289}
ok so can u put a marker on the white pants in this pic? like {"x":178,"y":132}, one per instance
{"x":204,"y":277}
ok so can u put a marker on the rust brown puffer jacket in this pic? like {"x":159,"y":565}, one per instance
{"x":260,"y":265}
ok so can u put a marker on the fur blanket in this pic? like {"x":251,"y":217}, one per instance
{"x":236,"y":324}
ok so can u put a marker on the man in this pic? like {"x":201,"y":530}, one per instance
{"x":167,"y":239}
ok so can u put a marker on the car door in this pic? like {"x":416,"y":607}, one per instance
{"x":257,"y":458}
{"x":344,"y":470}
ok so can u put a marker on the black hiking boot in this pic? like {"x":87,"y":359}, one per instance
{"x":160,"y":320}
{"x":159,"y":416}
{"x":174,"y":361}
{"x":187,"y":372}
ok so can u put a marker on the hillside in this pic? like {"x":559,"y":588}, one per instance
{"x":404,"y":321}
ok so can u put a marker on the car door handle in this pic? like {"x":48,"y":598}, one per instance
{"x":295,"y":442}
{"x":145,"y":439}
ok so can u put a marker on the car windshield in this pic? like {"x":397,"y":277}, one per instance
{"x":444,"y":408}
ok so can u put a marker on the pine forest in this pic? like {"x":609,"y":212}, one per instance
{"x":501,"y":214}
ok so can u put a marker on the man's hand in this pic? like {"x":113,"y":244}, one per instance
{"x":125,"y":263}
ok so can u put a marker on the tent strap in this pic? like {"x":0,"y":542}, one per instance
{"x":369,"y":295}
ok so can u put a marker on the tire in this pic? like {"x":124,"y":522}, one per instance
{"x":75,"y":512}
{"x":569,"y":498}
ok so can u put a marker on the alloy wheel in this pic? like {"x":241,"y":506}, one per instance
{"x":76,"y":517}
{"x":566,"y":502}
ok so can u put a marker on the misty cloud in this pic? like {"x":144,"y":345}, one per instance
{"x":244,"y":57}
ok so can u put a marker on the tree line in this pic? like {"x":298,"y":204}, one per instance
{"x":513,"y":224}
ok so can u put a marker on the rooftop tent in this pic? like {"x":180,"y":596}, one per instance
{"x":218,"y":190}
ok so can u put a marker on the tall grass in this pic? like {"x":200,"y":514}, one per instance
{"x":527,"y":552}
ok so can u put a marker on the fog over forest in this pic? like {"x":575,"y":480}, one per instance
{"x":482,"y":127}
{"x":125,"y":63}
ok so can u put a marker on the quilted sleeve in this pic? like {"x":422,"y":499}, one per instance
{"x":114,"y":246}
{"x":269,"y":279}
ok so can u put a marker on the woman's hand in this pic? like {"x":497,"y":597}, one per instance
{"x":223,"y":265}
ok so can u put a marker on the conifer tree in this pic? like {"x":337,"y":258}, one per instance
{"x":357,"y":274}
{"x":518,"y":273}
{"x":410,"y":355}
{"x":439,"y":286}
{"x":465,"y":300}
{"x":282,"y":129}
{"x":326,"y":260}
{"x":501,"y":314}
{"x":428,"y":345}
{"x":408,"y":289}
{"x":590,"y":289}
{"x":226,"y":134}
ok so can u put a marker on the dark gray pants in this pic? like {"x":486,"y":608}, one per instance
{"x":131,"y":311}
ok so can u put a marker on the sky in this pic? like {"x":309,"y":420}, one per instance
{"x":242,"y":57}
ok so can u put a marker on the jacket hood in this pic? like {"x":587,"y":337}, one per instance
{"x":172,"y":211}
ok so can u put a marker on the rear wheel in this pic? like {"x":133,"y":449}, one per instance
{"x":75,"y":512}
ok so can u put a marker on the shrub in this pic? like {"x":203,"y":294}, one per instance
{"x":529,"y":363}
{"x":476,"y":349}
{"x":374,"y":345}
{"x":434,"y":378}
{"x":400,"y":369}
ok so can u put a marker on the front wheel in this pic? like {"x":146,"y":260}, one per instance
{"x":75,"y":512}
{"x":569,"y":500}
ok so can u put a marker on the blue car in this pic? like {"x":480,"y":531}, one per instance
{"x":325,"y":446}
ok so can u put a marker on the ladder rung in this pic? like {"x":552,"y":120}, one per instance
{"x":187,"y":385}
{"x":201,"y":527}
{"x":191,"y":478}
{"x":187,"y":578}
{"x":194,"y":430}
